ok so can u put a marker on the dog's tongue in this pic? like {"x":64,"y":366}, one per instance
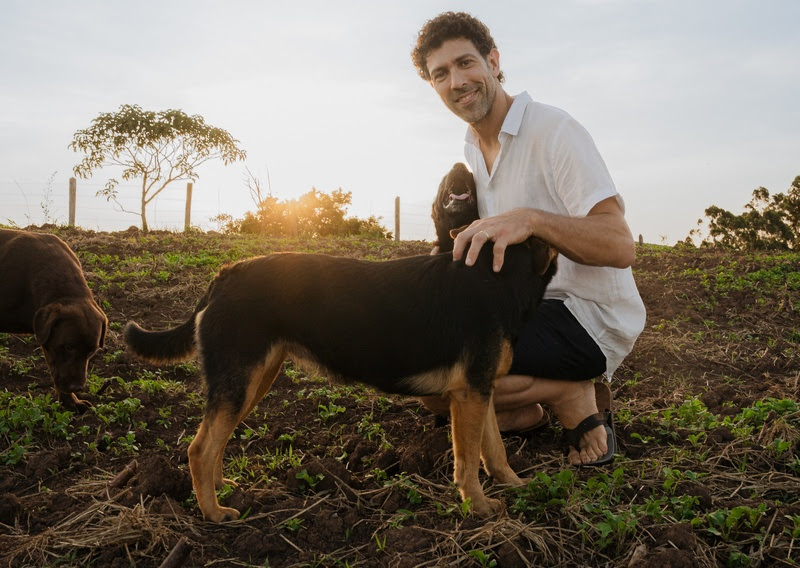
{"x":461,"y":197}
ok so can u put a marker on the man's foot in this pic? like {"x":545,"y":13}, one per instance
{"x":524,"y":420}
{"x":575,"y":403}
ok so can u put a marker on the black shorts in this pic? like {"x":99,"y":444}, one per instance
{"x":553,"y":345}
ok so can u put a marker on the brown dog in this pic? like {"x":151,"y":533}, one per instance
{"x":43,"y":291}
{"x":455,"y":205}
{"x":418,"y":326}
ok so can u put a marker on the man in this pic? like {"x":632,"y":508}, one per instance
{"x":538,"y":173}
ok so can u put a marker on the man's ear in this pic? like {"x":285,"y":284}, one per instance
{"x":493,"y":59}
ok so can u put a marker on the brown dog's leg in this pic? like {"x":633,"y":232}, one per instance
{"x":468,"y":411}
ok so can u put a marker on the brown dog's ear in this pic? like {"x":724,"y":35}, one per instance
{"x":43,"y":321}
{"x":454,"y":232}
{"x":104,"y":320}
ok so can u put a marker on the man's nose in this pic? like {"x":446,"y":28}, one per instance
{"x":457,"y":79}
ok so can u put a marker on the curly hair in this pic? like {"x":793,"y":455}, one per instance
{"x":447,"y":26}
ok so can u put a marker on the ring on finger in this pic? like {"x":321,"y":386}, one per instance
{"x":485,"y":234}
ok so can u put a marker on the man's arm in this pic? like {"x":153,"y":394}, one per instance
{"x":602,"y":238}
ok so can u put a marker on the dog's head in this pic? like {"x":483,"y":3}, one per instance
{"x":69,"y":335}
{"x":455,"y":205}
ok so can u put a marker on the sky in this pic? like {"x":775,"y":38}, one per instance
{"x":691,"y":103}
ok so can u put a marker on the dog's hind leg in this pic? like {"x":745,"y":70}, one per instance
{"x":207,"y":450}
{"x":209,"y":443}
{"x":269,"y":373}
{"x":493,"y":452}
{"x":468,"y":412}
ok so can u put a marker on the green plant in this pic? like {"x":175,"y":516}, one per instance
{"x":793,"y":531}
{"x":725,"y":523}
{"x":402,"y":516}
{"x":329,"y":410}
{"x":308,"y":481}
{"x":485,"y":560}
{"x":292,"y":524}
{"x":21,"y":416}
{"x":614,"y":528}
{"x":402,"y":481}
{"x":543,"y":492}
{"x":118,"y":412}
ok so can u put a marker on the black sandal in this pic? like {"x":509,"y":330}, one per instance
{"x":605,"y":418}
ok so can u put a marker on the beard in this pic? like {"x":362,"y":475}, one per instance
{"x":476,"y":110}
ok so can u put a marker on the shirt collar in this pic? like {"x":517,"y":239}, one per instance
{"x":513,"y":119}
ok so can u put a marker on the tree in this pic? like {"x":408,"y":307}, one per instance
{"x":313,"y":214}
{"x":158,"y":147}
{"x":768,"y":222}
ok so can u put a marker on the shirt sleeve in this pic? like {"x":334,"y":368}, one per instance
{"x":580,"y":175}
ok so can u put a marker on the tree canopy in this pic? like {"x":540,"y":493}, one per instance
{"x":769,"y":222}
{"x":313,"y":214}
{"x":157,"y":147}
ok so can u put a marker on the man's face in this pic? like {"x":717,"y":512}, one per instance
{"x":465,"y":80}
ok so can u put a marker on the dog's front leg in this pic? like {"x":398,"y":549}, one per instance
{"x":204,"y":456}
{"x":468,"y":411}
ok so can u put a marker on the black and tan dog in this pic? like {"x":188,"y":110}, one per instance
{"x":43,"y":291}
{"x":420,"y":325}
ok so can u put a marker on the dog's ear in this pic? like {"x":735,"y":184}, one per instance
{"x":454,"y":232}
{"x":43,"y":321}
{"x":104,"y":326}
{"x":544,"y":255}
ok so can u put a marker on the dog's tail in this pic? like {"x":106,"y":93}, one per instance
{"x":169,"y":346}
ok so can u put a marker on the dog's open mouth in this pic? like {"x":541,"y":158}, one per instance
{"x":457,"y":200}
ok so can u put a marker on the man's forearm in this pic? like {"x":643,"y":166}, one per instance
{"x":599,"y":239}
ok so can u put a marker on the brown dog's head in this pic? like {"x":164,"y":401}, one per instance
{"x":69,"y":335}
{"x":455,"y":205}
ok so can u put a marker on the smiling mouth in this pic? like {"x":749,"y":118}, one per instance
{"x":467,"y":98}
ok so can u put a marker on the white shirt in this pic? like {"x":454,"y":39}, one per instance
{"x":548,"y":161}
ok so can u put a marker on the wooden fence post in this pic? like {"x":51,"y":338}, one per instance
{"x":397,"y":218}
{"x":73,"y":191}
{"x":187,"y":217}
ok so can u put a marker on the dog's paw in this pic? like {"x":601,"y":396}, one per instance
{"x":222,"y":514}
{"x":487,"y":508}
{"x":506,"y":476}
{"x":72,"y":403}
{"x":223,"y":481}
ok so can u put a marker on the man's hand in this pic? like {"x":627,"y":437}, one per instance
{"x":601,"y":238}
{"x":505,"y":229}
